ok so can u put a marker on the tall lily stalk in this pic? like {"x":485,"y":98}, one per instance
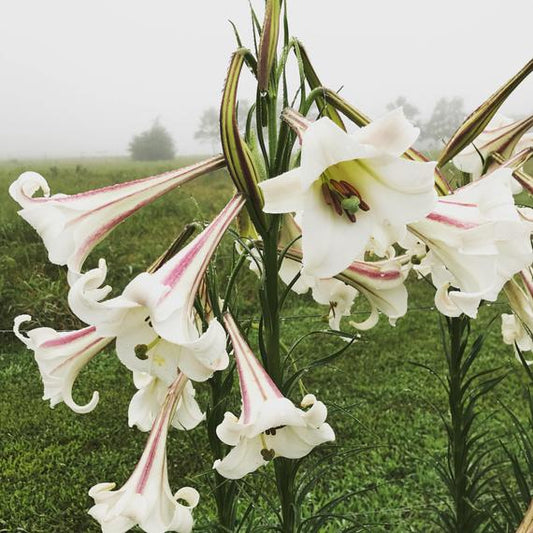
{"x":328,"y":211}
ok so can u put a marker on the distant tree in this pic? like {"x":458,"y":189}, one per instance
{"x":410,"y":110}
{"x":209,"y":129}
{"x":153,"y":144}
{"x":446,"y":117}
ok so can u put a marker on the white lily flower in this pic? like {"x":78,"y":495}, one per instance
{"x":270,"y":425}
{"x":382,"y":284}
{"x":338,"y":296}
{"x":148,"y":400}
{"x":493,"y":138}
{"x":153,"y":319}
{"x":146,"y":499}
{"x":514,"y":332}
{"x":60,"y":357}
{"x":72,"y":225}
{"x":518,"y":327}
{"x":354,"y":191}
{"x":477,"y":241}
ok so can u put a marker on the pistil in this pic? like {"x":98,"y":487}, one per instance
{"x":343,"y":197}
{"x":141,"y":350}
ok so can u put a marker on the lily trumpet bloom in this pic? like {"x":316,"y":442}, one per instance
{"x":148,"y":400}
{"x":72,"y":225}
{"x":518,"y":326}
{"x":477,"y":241}
{"x":500,"y":134}
{"x":146,"y":499}
{"x":270,"y":425}
{"x":153,"y":319}
{"x":355,"y":192}
{"x":380,"y":282}
{"x":61,"y":357}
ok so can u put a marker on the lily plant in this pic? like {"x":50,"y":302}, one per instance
{"x":339,"y":206}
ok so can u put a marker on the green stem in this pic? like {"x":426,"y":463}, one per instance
{"x":225,"y":490}
{"x":270,"y":302}
{"x":458,"y":330}
{"x":285,"y":468}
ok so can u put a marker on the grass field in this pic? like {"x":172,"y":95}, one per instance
{"x":383,"y":408}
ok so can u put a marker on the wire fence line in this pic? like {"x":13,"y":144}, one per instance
{"x":319,"y":315}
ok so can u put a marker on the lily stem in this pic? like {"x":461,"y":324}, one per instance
{"x":285,"y":468}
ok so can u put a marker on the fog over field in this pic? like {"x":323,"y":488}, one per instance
{"x":80,"y":78}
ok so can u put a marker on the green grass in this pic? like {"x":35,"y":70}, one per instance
{"x":382,"y":408}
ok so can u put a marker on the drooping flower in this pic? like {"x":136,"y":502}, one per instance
{"x":355,"y":192}
{"x":501,"y":135}
{"x":146,"y":499}
{"x":518,"y":326}
{"x":270,"y":425}
{"x":147,"y":401}
{"x":477,"y":241}
{"x":60,"y":357}
{"x":153,"y":319}
{"x":338,"y":296}
{"x":380,"y":282}
{"x":72,"y":225}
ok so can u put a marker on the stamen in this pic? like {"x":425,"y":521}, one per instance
{"x":336,"y":202}
{"x":326,"y":193}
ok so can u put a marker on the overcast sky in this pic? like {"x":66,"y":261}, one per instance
{"x":81,"y":77}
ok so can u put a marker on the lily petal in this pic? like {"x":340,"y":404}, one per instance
{"x":72,"y":225}
{"x":61,"y":357}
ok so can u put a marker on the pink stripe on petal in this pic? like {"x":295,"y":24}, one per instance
{"x":215,"y":162}
{"x":373,"y":272}
{"x":81,"y":351}
{"x":68,"y":338}
{"x":159,"y":430}
{"x":246,"y":360}
{"x":449,"y":221}
{"x":214,"y":231}
{"x":453,"y":202}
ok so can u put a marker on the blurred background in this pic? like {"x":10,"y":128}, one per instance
{"x":80,"y":79}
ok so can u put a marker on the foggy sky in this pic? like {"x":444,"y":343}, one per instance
{"x":81,"y":77}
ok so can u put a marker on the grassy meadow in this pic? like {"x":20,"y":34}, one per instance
{"x":384,"y":409}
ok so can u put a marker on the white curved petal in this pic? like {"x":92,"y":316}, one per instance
{"x":72,"y":225}
{"x":265,"y":414}
{"x":284,"y":193}
{"x":244,"y":458}
{"x":201,"y":355}
{"x":188,"y":413}
{"x":85,"y":297}
{"x":369,"y":322}
{"x":61,"y":357}
{"x":391,"y":134}
{"x":402,"y":191}
{"x":331,"y":242}
{"x":146,"y":499}
{"x":338,"y":296}
{"x":296,"y":442}
{"x":148,"y":400}
{"x":325,"y":144}
{"x":289,"y":269}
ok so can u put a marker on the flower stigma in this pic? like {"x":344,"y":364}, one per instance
{"x":141,"y":350}
{"x":342,"y":196}
{"x":266,"y":453}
